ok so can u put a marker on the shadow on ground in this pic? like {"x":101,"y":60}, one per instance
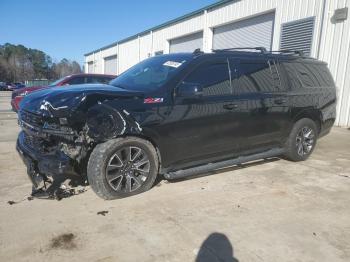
{"x":216,"y":247}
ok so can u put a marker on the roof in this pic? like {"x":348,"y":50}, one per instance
{"x":173,"y":21}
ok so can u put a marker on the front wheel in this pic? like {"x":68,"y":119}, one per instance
{"x":302,"y":140}
{"x":122,"y":167}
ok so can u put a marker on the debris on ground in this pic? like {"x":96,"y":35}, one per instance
{"x":63,"y":241}
{"x":11,"y":202}
{"x":52,"y":194}
{"x":102,"y":213}
{"x":58,"y":193}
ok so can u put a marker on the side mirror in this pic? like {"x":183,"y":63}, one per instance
{"x":190,"y":90}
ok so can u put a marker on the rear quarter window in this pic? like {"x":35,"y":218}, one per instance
{"x":98,"y":80}
{"x":76,"y":81}
{"x":308,"y":75}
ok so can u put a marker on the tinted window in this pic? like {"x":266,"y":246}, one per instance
{"x":214,"y":77}
{"x":293,"y":77}
{"x":308,"y":75}
{"x":98,"y":80}
{"x":256,"y":77}
{"x":76,"y":81}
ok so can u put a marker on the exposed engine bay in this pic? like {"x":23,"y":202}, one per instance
{"x":57,"y":138}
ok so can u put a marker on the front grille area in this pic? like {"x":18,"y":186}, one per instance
{"x":38,"y":144}
{"x":31,"y":118}
{"x":32,"y":142}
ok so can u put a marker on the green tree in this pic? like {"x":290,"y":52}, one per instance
{"x":19,"y":63}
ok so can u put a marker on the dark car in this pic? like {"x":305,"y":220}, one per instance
{"x":77,"y":79}
{"x":178,"y":115}
{"x":10,"y":86}
{"x":15,"y":86}
{"x":3,"y":86}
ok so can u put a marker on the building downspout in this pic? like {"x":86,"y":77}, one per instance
{"x":321,"y":30}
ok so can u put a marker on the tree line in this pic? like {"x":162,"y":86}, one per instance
{"x":19,"y":63}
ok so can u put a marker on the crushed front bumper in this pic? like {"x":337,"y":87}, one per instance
{"x":40,"y":166}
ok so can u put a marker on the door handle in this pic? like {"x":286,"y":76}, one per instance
{"x":280,"y":101}
{"x":230,"y":106}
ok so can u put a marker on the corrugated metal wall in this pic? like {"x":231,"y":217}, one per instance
{"x":330,"y":43}
{"x":335,"y":48}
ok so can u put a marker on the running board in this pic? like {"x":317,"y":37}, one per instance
{"x":227,"y":163}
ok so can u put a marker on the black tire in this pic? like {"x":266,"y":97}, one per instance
{"x":294,"y":148}
{"x":101,"y":159}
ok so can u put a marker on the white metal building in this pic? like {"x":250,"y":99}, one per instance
{"x":321,"y":28}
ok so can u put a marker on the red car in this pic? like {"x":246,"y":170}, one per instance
{"x":18,"y":94}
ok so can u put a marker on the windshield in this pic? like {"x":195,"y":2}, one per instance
{"x":57,"y":81}
{"x":151,"y":73}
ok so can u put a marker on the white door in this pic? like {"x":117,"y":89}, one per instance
{"x":90,"y":67}
{"x":253,"y":32}
{"x":187,"y":43}
{"x":111,"y":65}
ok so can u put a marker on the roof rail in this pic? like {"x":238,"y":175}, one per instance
{"x":259,"y":48}
{"x":295,"y":52}
{"x":197,"y":51}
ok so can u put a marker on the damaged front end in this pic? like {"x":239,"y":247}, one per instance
{"x":49,"y":149}
{"x":57,"y":138}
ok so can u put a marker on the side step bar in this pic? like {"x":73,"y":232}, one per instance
{"x":217,"y":165}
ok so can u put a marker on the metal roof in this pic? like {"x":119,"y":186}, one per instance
{"x":173,"y":21}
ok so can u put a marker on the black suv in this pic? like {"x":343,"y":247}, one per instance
{"x":178,"y":115}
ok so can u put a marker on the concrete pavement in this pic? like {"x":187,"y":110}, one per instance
{"x":266,"y":211}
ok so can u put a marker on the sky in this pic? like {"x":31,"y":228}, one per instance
{"x":71,"y":28}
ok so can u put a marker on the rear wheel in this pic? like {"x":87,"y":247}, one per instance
{"x":122,"y":167}
{"x":302,"y":140}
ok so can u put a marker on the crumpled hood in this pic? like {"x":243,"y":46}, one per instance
{"x":60,"y":101}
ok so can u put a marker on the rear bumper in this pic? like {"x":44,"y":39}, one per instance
{"x":39,"y":164}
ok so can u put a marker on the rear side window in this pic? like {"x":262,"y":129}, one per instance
{"x":308,"y":75}
{"x":214,"y":77}
{"x":257,"y":76}
{"x":293,"y":77}
{"x":76,"y":81}
{"x":98,"y":80}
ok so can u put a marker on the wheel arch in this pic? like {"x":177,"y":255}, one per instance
{"x":313,"y":114}
{"x":149,"y":139}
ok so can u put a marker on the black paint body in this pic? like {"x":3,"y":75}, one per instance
{"x":253,"y":110}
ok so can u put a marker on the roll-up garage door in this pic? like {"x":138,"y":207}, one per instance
{"x":252,"y":32}
{"x":90,"y":67}
{"x":111,"y":65}
{"x":187,"y":43}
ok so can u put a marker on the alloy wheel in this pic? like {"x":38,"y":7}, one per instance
{"x":127,"y":169}
{"x":305,"y":140}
